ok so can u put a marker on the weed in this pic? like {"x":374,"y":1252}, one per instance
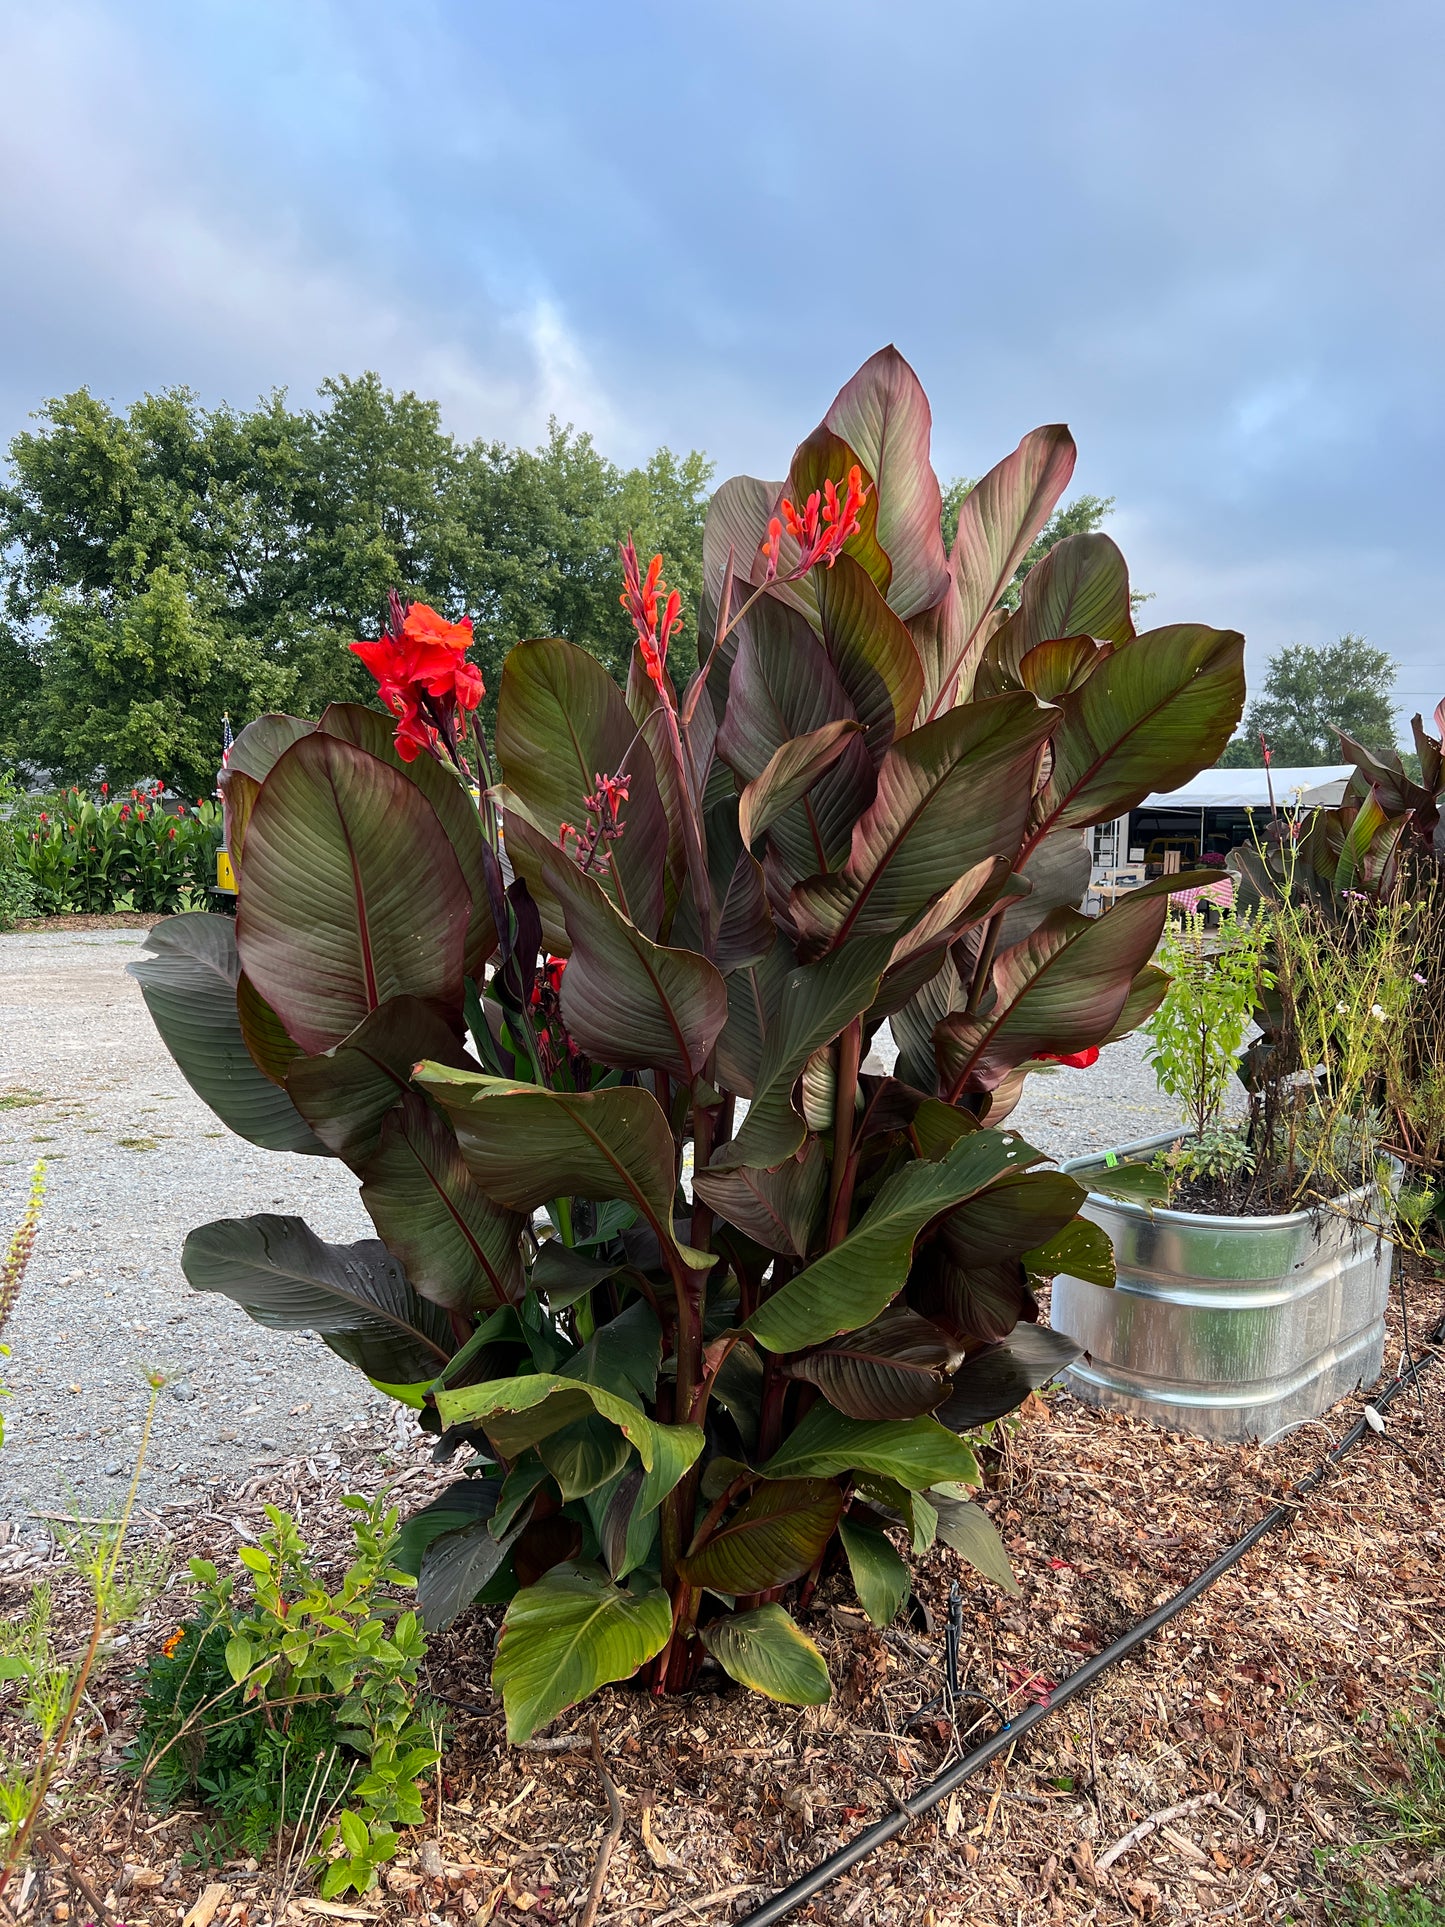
{"x":52,"y":1681}
{"x":276,"y":1712}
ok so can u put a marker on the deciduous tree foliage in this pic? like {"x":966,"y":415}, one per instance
{"x":167,"y":564}
{"x":1310,"y":695}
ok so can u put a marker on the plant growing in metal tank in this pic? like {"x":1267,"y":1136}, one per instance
{"x":709,"y":1302}
{"x":1356,"y":898}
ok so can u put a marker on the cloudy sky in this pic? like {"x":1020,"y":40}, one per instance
{"x":1209,"y":238}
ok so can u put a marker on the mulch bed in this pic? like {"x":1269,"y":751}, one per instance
{"x":1269,"y":1711}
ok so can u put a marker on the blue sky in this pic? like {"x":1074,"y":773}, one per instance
{"x":1209,"y":238}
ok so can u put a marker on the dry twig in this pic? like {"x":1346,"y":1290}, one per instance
{"x":588,"y":1915}
{"x":1149,"y":1824}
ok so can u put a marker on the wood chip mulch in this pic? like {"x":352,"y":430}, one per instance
{"x":1240,"y":1756}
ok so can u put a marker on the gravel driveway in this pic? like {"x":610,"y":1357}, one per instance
{"x":135,"y":1160}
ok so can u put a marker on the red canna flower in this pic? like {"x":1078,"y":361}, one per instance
{"x":423,"y":676}
{"x":550,"y":979}
{"x":825,"y":524}
{"x":1078,"y":1060}
{"x":43,"y":817}
{"x":640,"y":599}
{"x":172,"y":833}
{"x":105,"y":789}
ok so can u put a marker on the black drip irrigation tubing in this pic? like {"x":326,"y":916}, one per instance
{"x":906,"y":1811}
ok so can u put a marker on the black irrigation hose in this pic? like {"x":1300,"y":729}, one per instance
{"x":948,"y":1782}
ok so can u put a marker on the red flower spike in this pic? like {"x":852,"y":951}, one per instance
{"x":640,"y":599}
{"x":821,"y":530}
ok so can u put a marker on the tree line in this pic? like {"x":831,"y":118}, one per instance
{"x":168,"y":565}
{"x":171,"y":563}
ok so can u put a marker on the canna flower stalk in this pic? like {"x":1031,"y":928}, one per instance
{"x":820,"y":529}
{"x":640,"y":598}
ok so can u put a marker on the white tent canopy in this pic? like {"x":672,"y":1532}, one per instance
{"x":1321,"y":786}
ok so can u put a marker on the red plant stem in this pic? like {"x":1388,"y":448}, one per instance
{"x":982,"y":972}
{"x":719,"y":1506}
{"x":845,"y":1169}
{"x":983,"y":968}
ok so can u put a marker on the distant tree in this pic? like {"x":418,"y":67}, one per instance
{"x":165,"y":565}
{"x":1082,"y":516}
{"x":1308,"y":694}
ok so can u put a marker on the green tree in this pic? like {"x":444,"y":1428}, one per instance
{"x":1080,"y":517}
{"x":1308,"y":694}
{"x":167,"y":564}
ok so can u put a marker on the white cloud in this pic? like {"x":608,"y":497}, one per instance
{"x":174,"y":264}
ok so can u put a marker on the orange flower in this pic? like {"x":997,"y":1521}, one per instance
{"x":822,"y":528}
{"x":175,"y":1639}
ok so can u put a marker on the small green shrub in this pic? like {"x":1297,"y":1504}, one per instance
{"x":1195,"y":1036}
{"x":277,"y":1710}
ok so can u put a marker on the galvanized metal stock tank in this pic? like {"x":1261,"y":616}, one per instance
{"x":1230,"y":1328}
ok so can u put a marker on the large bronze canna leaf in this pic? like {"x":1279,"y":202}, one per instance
{"x":778,"y":1209}
{"x":883,"y":413}
{"x":1080,"y":588}
{"x":983,"y":1304}
{"x":1001,"y":1376}
{"x":999,"y":519}
{"x":459,"y":1248}
{"x":853,"y":1283}
{"x":444,"y":790}
{"x":783,"y":687}
{"x":253,"y":756}
{"x":1062,"y":989}
{"x":916,"y":1452}
{"x":790,"y":773}
{"x":346,"y":1092}
{"x":189,"y":983}
{"x":1150,"y":716}
{"x":626,"y":1001}
{"x":950,"y":794}
{"x":386,"y":906}
{"x":815,"y":1003}
{"x":1022,"y":1210}
{"x":893,"y":1368}
{"x":526,"y":1145}
{"x":1057,"y":871}
{"x":777,"y":1536}
{"x":562,"y":721}
{"x":872,"y":652}
{"x":355,"y":1296}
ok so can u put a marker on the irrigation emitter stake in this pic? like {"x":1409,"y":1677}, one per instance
{"x":804,"y":1889}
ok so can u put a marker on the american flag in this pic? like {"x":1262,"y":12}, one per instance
{"x":226,"y":738}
